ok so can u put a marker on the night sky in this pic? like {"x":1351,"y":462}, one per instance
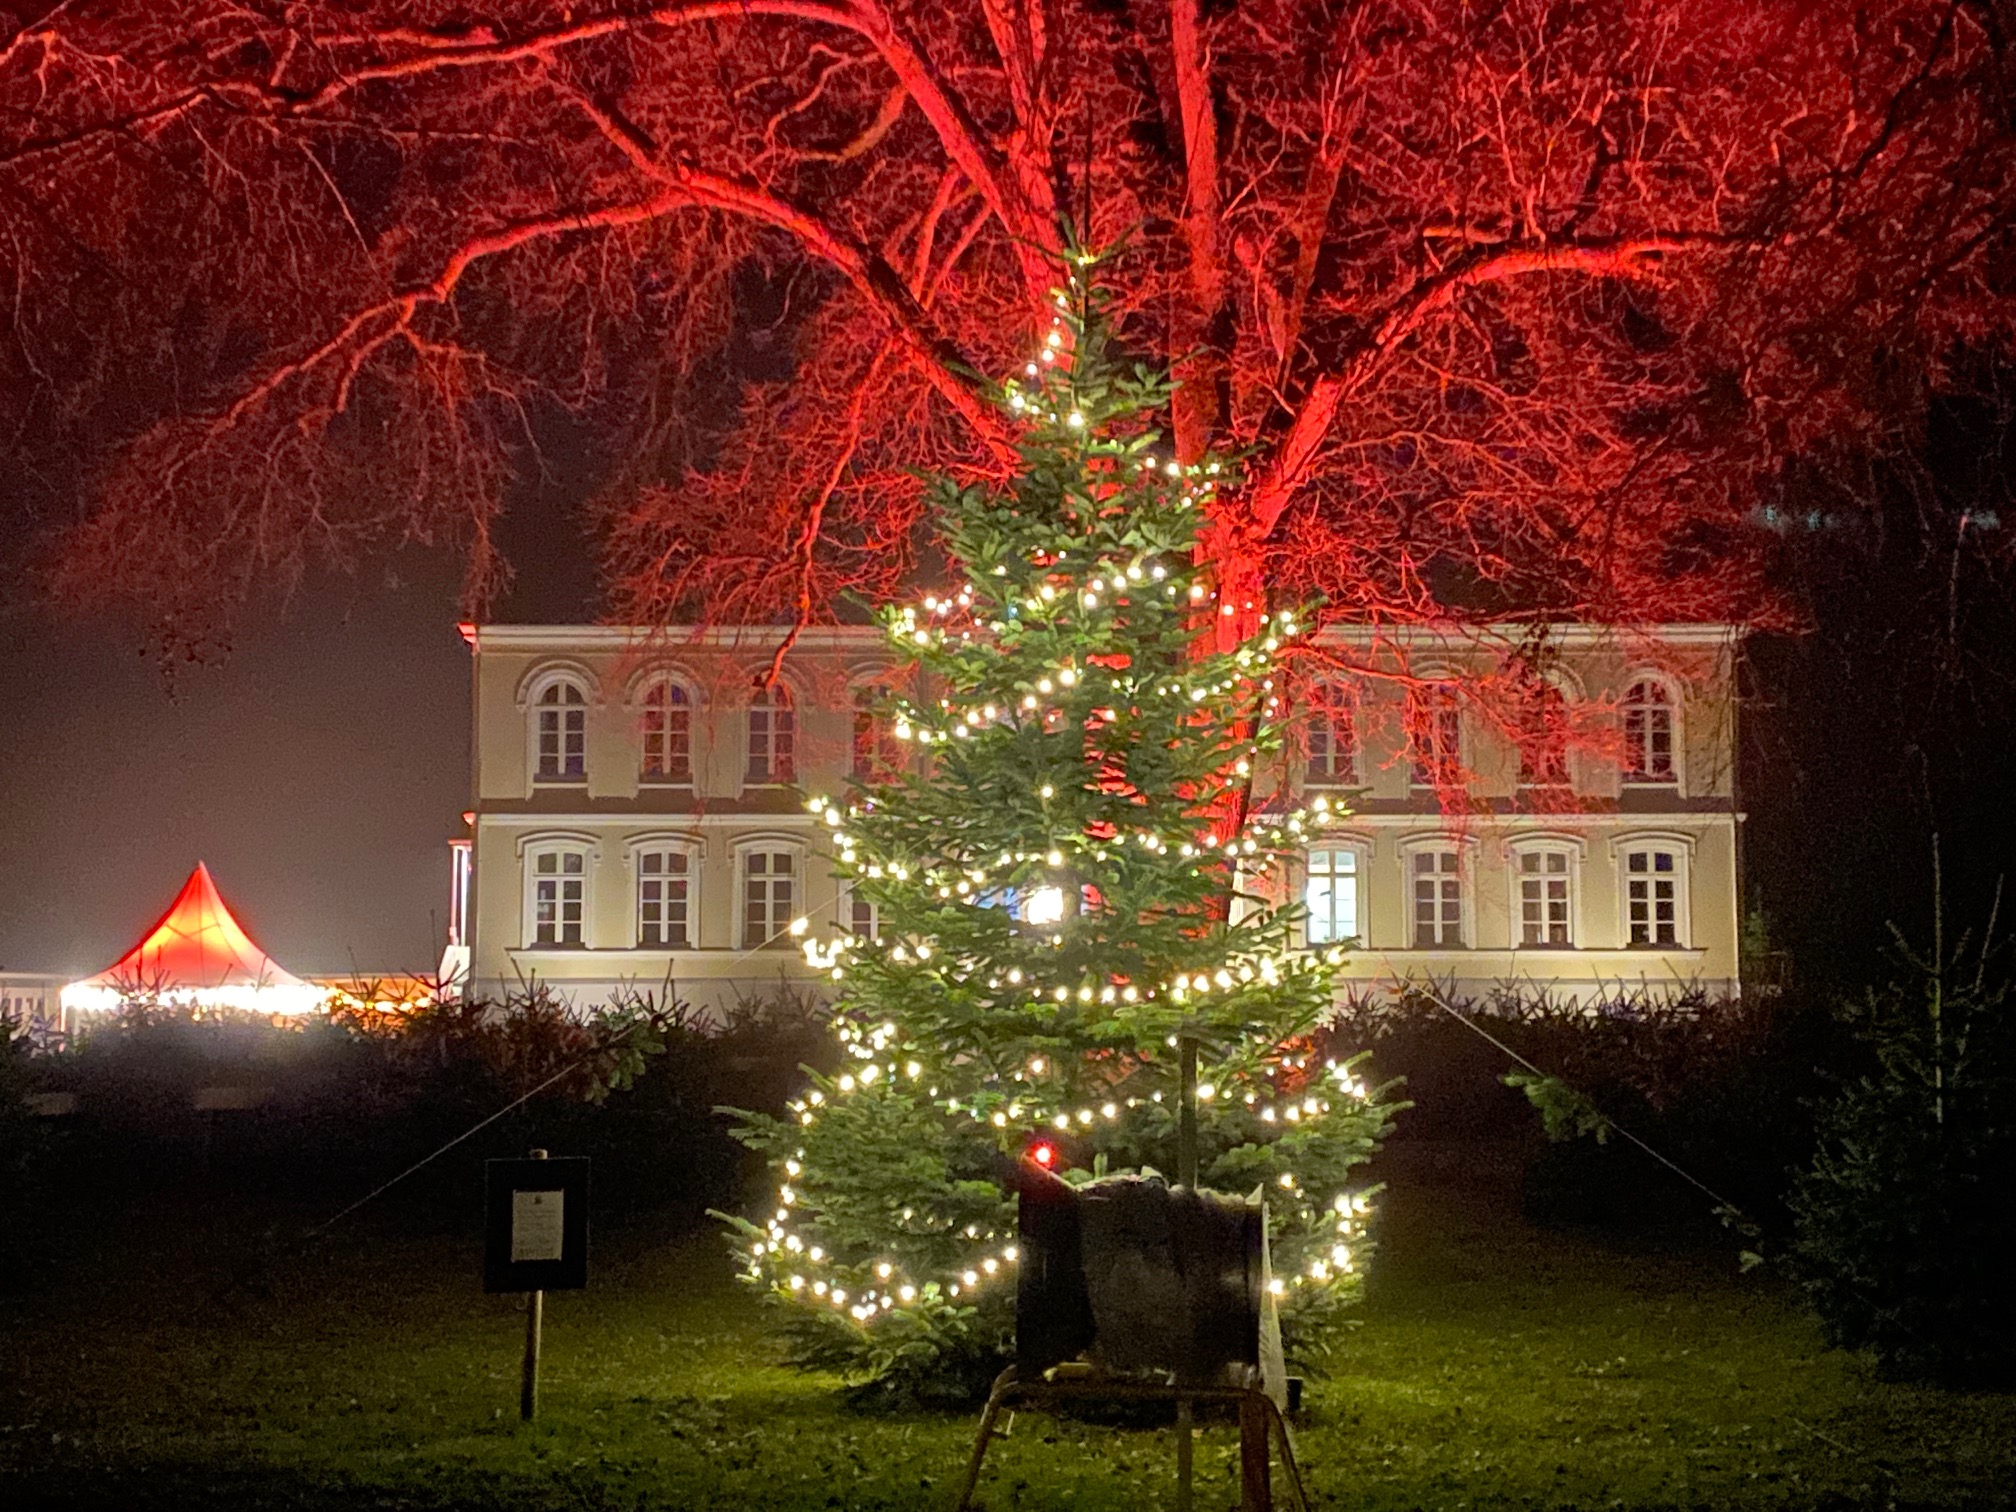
{"x":320,"y":769}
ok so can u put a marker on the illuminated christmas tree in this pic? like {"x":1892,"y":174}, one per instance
{"x":1064,"y":884}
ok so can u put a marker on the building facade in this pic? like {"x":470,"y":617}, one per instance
{"x":638,"y":820}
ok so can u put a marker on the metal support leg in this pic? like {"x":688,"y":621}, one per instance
{"x":1004,"y":1385}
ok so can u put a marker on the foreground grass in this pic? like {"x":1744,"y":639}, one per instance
{"x":1498,"y":1366}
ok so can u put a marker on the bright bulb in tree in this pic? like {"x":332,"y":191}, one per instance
{"x":1045,"y":906}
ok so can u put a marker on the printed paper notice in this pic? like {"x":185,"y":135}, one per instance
{"x":535,"y":1225}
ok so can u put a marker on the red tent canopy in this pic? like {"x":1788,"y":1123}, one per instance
{"x":196,"y":945}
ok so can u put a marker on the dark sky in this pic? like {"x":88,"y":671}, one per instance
{"x":319,"y":770}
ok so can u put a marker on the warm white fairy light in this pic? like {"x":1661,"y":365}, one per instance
{"x":1090,"y":585}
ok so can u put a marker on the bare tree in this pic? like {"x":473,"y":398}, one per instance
{"x":1513,"y":304}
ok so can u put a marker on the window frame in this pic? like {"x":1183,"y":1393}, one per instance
{"x":536,"y":708}
{"x":888,"y":757}
{"x":688,"y":702}
{"x":1543,"y":691}
{"x":530,"y":850}
{"x":1675,"y":725}
{"x":1572,"y":851}
{"x":1360,"y":850}
{"x":1463,"y":848}
{"x":777,"y":935}
{"x":691,"y":851}
{"x":777,"y":698}
{"x":850,"y":909}
{"x":1442,"y":695}
{"x":1333,"y":705}
{"x":1681,"y":847}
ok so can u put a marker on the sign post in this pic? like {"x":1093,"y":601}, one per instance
{"x":535,"y":1241}
{"x":528,"y":1380}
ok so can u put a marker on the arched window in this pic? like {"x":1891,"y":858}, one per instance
{"x":1649,"y":731}
{"x":560,"y":733}
{"x":1330,"y":892}
{"x":668,"y":733}
{"x":877,"y":753}
{"x":1435,"y":736}
{"x":1333,"y":738}
{"x":556,"y":895}
{"x":773,"y":736}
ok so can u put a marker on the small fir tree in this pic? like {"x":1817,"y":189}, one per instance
{"x":1065,"y":883}
{"x":1907,"y":1216}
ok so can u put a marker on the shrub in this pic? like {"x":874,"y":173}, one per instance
{"x":24,"y":1148}
{"x":1907,"y":1215}
{"x":351,"y":1098}
{"x":1721,"y":1086}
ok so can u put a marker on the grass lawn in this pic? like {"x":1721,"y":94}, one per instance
{"x":1498,"y":1366}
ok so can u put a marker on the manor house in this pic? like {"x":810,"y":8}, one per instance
{"x":637,"y":819}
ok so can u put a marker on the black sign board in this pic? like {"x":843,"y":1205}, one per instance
{"x":535,"y":1229}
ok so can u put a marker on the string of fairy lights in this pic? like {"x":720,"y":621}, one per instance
{"x":1035,"y":1097}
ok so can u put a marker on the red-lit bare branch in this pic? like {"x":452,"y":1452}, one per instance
{"x":1518,"y":310}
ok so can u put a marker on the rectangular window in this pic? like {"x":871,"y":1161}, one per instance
{"x":668,"y":735}
{"x":1648,"y":733}
{"x":559,"y":891}
{"x":769,"y":897}
{"x":1652,"y":897}
{"x":1438,"y":900}
{"x":563,"y":743}
{"x":773,"y":739}
{"x":1543,"y":739}
{"x":1544,"y":899}
{"x":877,"y":753}
{"x":664,"y":899}
{"x":863,"y":917}
{"x":1435,"y":734}
{"x":1333,"y":741}
{"x":1330,"y":892}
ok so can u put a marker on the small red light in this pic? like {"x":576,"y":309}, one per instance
{"x":1043,"y":1153}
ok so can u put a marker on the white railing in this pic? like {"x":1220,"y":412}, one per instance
{"x":30,"y":998}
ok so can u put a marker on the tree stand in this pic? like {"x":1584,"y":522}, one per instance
{"x":1258,"y":1417}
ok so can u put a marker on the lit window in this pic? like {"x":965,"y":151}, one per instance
{"x":664,"y":898}
{"x":769,"y":897}
{"x":1653,"y":895}
{"x":1438,"y":899}
{"x":562,"y":733}
{"x":1333,"y":742}
{"x":1330,"y":893}
{"x":558,"y":896}
{"x":863,"y":917}
{"x":1435,"y":737}
{"x":1648,"y":733}
{"x":1546,"y":898}
{"x":877,"y":753}
{"x":1543,"y":737}
{"x":668,"y":733}
{"x":773,"y":736}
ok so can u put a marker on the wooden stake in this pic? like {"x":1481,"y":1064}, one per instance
{"x":528,"y":1384}
{"x":1256,"y":1490}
